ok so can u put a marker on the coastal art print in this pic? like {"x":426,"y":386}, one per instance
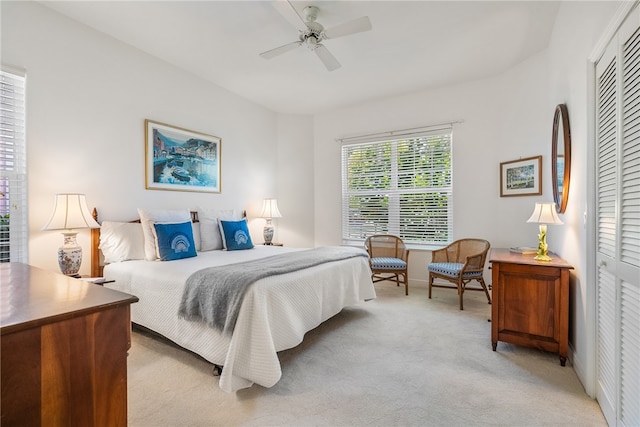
{"x":521,"y":177}
{"x":180,"y":159}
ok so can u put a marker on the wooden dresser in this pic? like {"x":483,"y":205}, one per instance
{"x":64,"y":350}
{"x":530,"y":301}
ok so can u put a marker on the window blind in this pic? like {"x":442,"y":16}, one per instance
{"x":399,"y":186}
{"x":13,"y":169}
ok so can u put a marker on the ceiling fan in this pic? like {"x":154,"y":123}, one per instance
{"x":312,"y":34}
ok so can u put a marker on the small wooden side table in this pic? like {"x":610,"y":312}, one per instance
{"x":530,"y":301}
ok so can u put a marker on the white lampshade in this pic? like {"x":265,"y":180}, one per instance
{"x":270,"y":209}
{"x":70,"y":212}
{"x":545,"y":213}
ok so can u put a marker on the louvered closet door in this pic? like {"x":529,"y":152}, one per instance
{"x":618,"y":225}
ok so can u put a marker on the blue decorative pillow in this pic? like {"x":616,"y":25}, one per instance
{"x":174,"y":241}
{"x":235,"y":235}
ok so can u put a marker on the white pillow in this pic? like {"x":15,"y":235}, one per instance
{"x":149,"y":217}
{"x":210,"y":238}
{"x":196,"y":235}
{"x":121,"y":241}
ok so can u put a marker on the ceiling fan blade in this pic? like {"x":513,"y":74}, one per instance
{"x":327,"y":58}
{"x":280,"y":50}
{"x":356,"y":26}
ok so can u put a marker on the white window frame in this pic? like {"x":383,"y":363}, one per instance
{"x":415,"y":226}
{"x":13,"y":166}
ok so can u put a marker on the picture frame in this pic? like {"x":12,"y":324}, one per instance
{"x":521,"y":177}
{"x":179,"y":159}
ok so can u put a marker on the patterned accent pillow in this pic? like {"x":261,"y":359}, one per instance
{"x":235,"y":235}
{"x":174,"y":241}
{"x":149,"y":217}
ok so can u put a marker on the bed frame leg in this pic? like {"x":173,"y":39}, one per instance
{"x":217,"y":370}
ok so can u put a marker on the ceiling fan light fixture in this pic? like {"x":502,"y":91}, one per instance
{"x":311,"y":42}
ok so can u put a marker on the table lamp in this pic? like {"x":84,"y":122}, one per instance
{"x":269,"y":211}
{"x":544,"y":214}
{"x":70,"y":213}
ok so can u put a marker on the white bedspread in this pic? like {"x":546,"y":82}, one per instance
{"x":275,"y":315}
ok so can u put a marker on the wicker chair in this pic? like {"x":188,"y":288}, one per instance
{"x":388,"y":259}
{"x":460,"y":263}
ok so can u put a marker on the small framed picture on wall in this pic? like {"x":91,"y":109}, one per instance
{"x":521,"y":177}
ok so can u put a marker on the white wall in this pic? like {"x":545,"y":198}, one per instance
{"x":88,"y":96}
{"x":579,"y":27}
{"x":295,"y":181}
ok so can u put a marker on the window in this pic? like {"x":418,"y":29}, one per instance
{"x":13,"y":169}
{"x":399,"y":186}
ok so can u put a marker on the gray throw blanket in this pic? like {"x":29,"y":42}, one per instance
{"x":214,"y":294}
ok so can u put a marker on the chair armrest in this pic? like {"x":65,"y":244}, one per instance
{"x":474,"y":262}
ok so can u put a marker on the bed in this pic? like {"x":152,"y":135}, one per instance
{"x":274,"y":314}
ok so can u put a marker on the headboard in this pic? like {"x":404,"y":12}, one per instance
{"x":96,"y":261}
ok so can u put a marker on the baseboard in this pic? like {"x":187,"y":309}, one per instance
{"x":580,"y":370}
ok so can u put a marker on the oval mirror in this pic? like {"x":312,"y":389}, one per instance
{"x":561,"y":157}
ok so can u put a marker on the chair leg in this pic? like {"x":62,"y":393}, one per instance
{"x":430,"y":284}
{"x":486,"y":291}
{"x":460,"y":292}
{"x":406,"y":284}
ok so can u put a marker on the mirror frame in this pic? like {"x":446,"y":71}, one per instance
{"x":561,"y":113}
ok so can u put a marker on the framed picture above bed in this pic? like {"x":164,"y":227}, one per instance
{"x":521,"y":177}
{"x":180,"y":159}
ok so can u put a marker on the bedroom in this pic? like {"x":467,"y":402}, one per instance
{"x":89,"y":95}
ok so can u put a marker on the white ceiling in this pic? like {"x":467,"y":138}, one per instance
{"x":414,"y":45}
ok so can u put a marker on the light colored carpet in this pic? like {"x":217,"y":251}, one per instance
{"x":396,"y":360}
